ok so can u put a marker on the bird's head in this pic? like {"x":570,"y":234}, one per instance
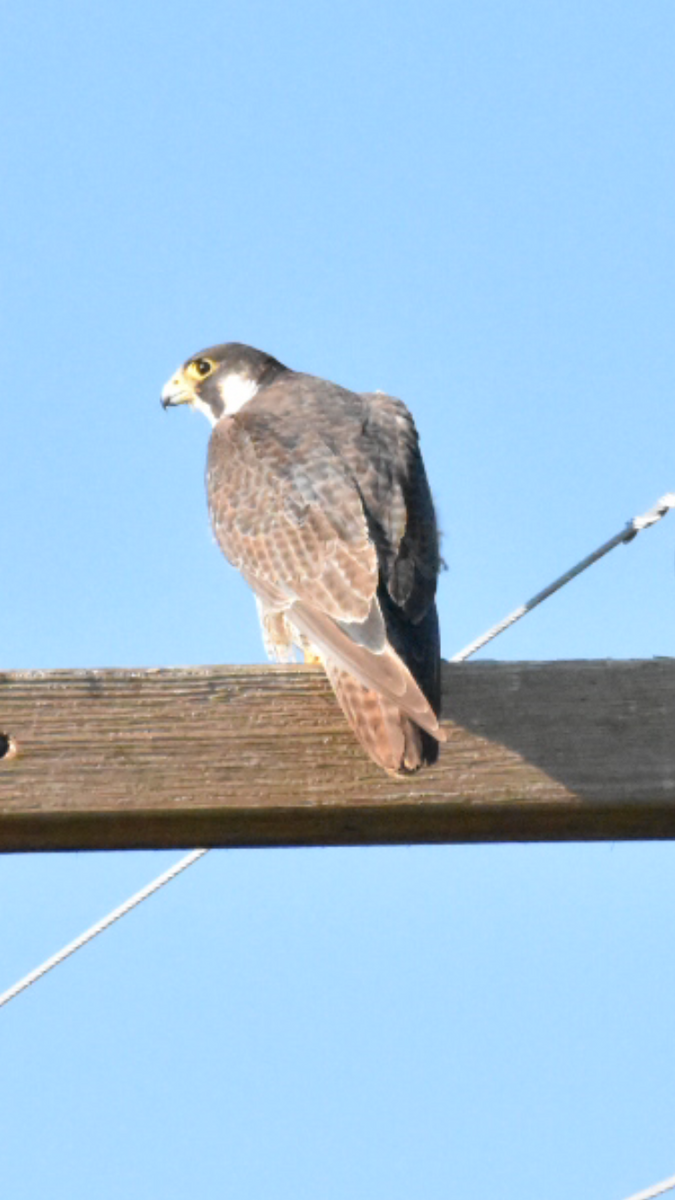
{"x":220,"y":380}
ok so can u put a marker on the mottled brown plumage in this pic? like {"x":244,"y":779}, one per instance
{"x":319,"y":496}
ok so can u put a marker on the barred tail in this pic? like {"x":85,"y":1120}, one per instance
{"x":386,"y":733}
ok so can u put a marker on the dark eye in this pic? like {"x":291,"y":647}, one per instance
{"x":202,"y":366}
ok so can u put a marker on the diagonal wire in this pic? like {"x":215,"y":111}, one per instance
{"x":657,"y":1190}
{"x":105,"y":923}
{"x":627,"y":534}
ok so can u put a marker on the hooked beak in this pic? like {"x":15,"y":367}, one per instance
{"x":177,"y":391}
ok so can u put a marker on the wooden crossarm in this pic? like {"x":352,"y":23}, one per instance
{"x":261,"y":756}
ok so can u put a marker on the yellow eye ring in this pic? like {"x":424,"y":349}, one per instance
{"x":199,"y":368}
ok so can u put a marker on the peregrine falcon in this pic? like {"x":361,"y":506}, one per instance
{"x":318,"y":495}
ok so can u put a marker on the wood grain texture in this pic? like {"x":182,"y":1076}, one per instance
{"x":261,"y":756}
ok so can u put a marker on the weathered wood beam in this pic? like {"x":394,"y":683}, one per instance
{"x":261,"y":756}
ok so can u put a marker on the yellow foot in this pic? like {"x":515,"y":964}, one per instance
{"x":312,"y":659}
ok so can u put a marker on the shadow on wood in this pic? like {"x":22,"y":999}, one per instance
{"x":602,"y":731}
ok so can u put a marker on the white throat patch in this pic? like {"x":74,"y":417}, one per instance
{"x":236,"y":391}
{"x":200,"y":406}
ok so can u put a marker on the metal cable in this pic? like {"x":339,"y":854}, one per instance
{"x":94,"y":930}
{"x":627,"y":534}
{"x":657,"y":1190}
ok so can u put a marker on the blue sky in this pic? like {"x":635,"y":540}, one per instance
{"x":469,"y":206}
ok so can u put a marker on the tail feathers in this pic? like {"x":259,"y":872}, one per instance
{"x":386,"y":733}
